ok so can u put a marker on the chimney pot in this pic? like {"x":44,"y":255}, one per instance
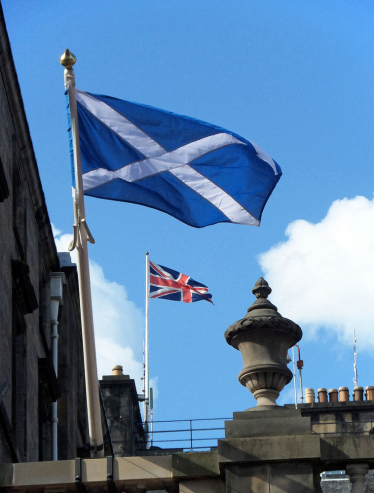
{"x":310,"y":396}
{"x":369,"y":392}
{"x":117,"y":370}
{"x":343,"y":394}
{"x":322,"y":395}
{"x":358,"y":394}
{"x":333,"y":395}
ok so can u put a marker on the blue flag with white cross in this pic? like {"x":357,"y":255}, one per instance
{"x":198,"y":173}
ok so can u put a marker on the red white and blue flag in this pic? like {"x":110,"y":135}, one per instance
{"x":169,"y":284}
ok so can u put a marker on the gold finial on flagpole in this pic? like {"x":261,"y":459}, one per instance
{"x":67,"y":59}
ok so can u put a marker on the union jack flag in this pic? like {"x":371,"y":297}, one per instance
{"x":172,"y":285}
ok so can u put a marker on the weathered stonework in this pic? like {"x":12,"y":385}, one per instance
{"x":123,"y":414}
{"x":28,"y":256}
{"x":343,"y":485}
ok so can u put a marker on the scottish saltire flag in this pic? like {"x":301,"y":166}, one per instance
{"x":169,"y":284}
{"x":199,"y":173}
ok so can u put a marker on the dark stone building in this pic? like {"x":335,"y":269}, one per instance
{"x":123,"y":413}
{"x":28,"y":258}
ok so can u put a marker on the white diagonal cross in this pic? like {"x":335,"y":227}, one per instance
{"x":159,"y":160}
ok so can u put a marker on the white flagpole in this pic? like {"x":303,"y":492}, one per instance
{"x":146,"y":386}
{"x":81,"y":235}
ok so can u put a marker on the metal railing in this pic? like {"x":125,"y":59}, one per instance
{"x":196,"y":434}
{"x":187,"y":434}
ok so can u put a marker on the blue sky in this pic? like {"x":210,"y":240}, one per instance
{"x":296,"y":78}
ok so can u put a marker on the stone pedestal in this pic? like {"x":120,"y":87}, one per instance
{"x":272,"y":450}
{"x":275,"y":478}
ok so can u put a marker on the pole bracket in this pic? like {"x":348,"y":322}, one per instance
{"x":73,"y":242}
{"x":96,"y":448}
{"x":109,"y":470}
{"x":90,"y":238}
{"x":78,"y":476}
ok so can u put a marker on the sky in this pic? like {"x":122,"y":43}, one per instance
{"x":294,"y":77}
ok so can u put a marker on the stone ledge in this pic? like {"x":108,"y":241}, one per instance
{"x":348,"y":448}
{"x":268,"y":427}
{"x":202,"y":486}
{"x":267,"y":412}
{"x":195,"y":464}
{"x":297,"y":447}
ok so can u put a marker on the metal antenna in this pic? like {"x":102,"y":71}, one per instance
{"x":300,"y":364}
{"x":294,"y":375}
{"x":294,"y":367}
{"x":355,"y":354}
{"x":151,"y":411}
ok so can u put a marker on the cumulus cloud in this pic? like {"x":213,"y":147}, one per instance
{"x":109,"y":350}
{"x":116,"y":317}
{"x":119,"y":324}
{"x":62,"y":242}
{"x":323,"y":274}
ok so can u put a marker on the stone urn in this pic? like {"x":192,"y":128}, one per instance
{"x":263,"y":337}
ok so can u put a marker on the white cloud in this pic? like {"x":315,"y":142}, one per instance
{"x":55,"y":231}
{"x":322,"y":276}
{"x":115,"y":316}
{"x":287,"y":396}
{"x":118,"y":323}
{"x":108,"y":350}
{"x":62,"y":243}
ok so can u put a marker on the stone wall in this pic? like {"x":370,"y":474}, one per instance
{"x":336,"y":486}
{"x":28,"y":256}
{"x":123,"y":414}
{"x":344,"y":485}
{"x":340,"y":418}
{"x":72,"y":412}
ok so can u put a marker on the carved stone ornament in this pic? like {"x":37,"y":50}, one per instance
{"x":263,"y":337}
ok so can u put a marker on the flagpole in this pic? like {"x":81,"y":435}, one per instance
{"x":81,"y":235}
{"x":146,"y":386}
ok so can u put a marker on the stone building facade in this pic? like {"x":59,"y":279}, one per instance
{"x":28,"y":259}
{"x":268,"y":449}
